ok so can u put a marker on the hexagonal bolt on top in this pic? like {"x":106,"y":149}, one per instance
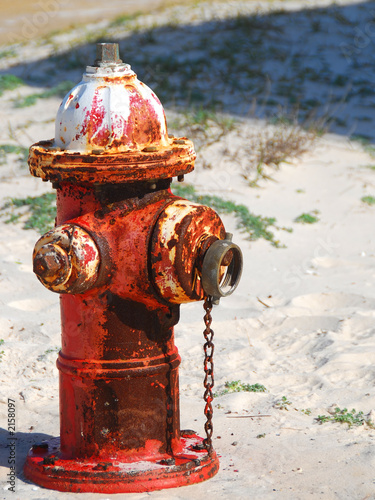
{"x":107,"y":53}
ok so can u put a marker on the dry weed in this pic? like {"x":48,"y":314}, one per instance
{"x":267,"y":147}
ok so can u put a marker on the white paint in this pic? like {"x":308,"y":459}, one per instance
{"x":96,"y":112}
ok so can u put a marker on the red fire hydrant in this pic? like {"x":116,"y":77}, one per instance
{"x":124,"y":254}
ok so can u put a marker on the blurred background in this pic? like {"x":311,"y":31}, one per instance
{"x":23,"y":19}
{"x":288,"y":60}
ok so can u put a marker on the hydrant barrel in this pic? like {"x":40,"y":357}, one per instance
{"x":124,"y":255}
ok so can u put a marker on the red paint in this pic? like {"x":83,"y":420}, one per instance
{"x":108,"y":476}
{"x":94,"y":125}
{"x":89,"y":255}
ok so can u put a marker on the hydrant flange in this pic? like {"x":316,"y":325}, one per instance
{"x":104,"y":167}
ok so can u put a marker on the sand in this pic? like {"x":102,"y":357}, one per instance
{"x":23,"y":21}
{"x":301,"y":322}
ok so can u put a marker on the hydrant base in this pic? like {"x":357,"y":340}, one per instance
{"x":191,"y":465}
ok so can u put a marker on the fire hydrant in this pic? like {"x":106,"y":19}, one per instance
{"x":124,"y":254}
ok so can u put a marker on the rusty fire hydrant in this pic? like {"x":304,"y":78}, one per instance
{"x":124,"y":254}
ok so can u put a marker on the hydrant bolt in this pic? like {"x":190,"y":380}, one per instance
{"x":107,"y":53}
{"x":51,"y":264}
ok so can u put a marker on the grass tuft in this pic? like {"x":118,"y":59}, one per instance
{"x":282,"y":140}
{"x":352,"y":418}
{"x":40,"y":214}
{"x":202,"y":125}
{"x":308,"y":218}
{"x":59,"y":90}
{"x":9,"y":82}
{"x":43,"y":356}
{"x":283,"y":404}
{"x":6,"y":149}
{"x":123,"y":19}
{"x":370,"y":200}
{"x":11,"y":52}
{"x":238,"y":386}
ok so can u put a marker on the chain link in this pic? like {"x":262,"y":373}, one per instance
{"x":209,"y":373}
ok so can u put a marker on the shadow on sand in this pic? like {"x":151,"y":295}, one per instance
{"x":308,"y":63}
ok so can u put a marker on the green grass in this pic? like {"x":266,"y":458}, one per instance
{"x":238,"y":386}
{"x":6,"y":149}
{"x":206,"y":116}
{"x":124,"y":19}
{"x":363,"y":139}
{"x":1,"y":352}
{"x":307,"y":218}
{"x":40,"y":214}
{"x":43,"y":356}
{"x":59,"y":90}
{"x":283,"y":404}
{"x":370,"y":200}
{"x":255,"y":226}
{"x":8,"y":53}
{"x":9,"y":82}
{"x":74,"y":59}
{"x":366,"y":142}
{"x":352,"y":418}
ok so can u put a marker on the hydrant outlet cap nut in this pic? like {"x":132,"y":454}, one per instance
{"x":51,"y":264}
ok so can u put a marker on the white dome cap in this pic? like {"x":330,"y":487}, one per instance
{"x":110,"y":109}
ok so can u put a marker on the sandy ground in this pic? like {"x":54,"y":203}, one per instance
{"x":22,"y":20}
{"x":301,"y":322}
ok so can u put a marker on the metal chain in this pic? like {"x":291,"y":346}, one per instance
{"x":209,"y":373}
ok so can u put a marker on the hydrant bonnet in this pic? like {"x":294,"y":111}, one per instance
{"x":112,"y":128}
{"x":110,"y":109}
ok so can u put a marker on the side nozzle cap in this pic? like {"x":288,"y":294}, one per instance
{"x":222,"y":268}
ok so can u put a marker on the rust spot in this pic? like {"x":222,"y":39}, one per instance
{"x":40,"y":447}
{"x":102,"y":466}
{"x":111,"y":166}
{"x":49,"y":460}
{"x":172,"y":243}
